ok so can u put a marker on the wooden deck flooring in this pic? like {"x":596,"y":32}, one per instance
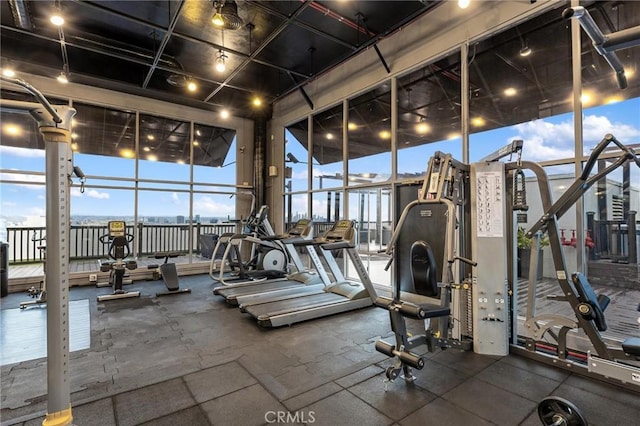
{"x":36,"y":270}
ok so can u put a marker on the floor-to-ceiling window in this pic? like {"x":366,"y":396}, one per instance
{"x":172,"y":181}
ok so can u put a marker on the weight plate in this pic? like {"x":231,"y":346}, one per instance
{"x":554,"y":410}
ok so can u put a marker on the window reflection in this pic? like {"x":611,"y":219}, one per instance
{"x":428,"y":115}
{"x":369,"y":144}
{"x":328,"y":167}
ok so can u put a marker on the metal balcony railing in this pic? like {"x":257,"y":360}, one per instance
{"x":85,"y":243}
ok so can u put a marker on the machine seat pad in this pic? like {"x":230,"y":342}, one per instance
{"x":424,"y":269}
{"x":587,"y":295}
{"x":631,"y":346}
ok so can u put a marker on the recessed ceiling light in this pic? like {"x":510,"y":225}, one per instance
{"x":8,"y":72}
{"x":224,"y":113}
{"x":329,"y":136}
{"x":74,"y":136}
{"x":196,"y":143}
{"x":257,"y":101}
{"x":510,"y":91}
{"x":57,"y":19}
{"x":12,"y":129}
{"x":192,"y":86}
{"x":385,"y":134}
{"x":152,"y":157}
{"x":146,"y":149}
{"x":74,"y":146}
{"x":127,"y":153}
{"x":478,"y":121}
{"x":150,"y":137}
{"x":352,"y":126}
{"x":422,"y":128}
{"x":463,"y":4}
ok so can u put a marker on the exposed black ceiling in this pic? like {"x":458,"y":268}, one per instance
{"x":152,"y":47}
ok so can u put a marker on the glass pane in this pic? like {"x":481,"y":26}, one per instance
{"x":428,"y":115}
{"x":296,"y":155}
{"x":21,"y":144}
{"x":371,"y":208}
{"x":22,"y":220}
{"x":328,"y":167}
{"x":104,"y":140}
{"x":517,"y":77}
{"x":326,"y":206}
{"x":214,"y":155}
{"x":163,"y":148}
{"x":296,"y":208}
{"x":90,"y":213}
{"x":369,"y":143}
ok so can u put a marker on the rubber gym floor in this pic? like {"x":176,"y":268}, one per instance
{"x":191,"y":359}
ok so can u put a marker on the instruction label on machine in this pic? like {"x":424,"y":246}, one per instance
{"x":489,"y":215}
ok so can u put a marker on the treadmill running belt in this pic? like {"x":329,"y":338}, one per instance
{"x":265,"y":310}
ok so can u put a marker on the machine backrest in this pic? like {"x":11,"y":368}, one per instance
{"x":424,"y":270}
{"x":587,"y":295}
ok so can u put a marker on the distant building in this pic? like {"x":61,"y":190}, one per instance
{"x":197,"y":218}
{"x":179,"y":219}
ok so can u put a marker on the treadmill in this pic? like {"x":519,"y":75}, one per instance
{"x":252,"y":291}
{"x":340,"y":296}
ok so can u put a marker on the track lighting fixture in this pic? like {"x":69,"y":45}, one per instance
{"x":526,"y":50}
{"x":62,"y":78}
{"x":220,"y":61}
{"x":217,"y":19}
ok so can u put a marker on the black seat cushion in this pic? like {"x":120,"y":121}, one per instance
{"x":631,"y":346}
{"x":424,"y":270}
{"x":587,"y":295}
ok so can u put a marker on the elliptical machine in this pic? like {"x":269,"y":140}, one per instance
{"x":118,"y":241}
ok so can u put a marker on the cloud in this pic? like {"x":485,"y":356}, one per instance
{"x":545,"y":141}
{"x":21,"y":152}
{"x":175,"y":198}
{"x":9,"y":204}
{"x":91,"y":193}
{"x":37,"y":180}
{"x":207,"y":206}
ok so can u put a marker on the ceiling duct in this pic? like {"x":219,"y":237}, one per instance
{"x":21,"y":15}
{"x":229,"y":11}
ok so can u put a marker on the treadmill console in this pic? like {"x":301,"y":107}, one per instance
{"x":342,"y":230}
{"x":300,"y":228}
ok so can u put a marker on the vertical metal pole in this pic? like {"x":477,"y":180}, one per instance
{"x":632,"y":249}
{"x":310,"y":167}
{"x":190,"y":242}
{"x":464,"y":96}
{"x":576,"y":62}
{"x":57,"y":169}
{"x":137,"y":245}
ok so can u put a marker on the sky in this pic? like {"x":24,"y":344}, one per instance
{"x":544,"y":139}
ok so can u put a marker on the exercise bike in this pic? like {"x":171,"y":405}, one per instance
{"x":118,"y":241}
{"x":167,"y":271}
{"x":39,"y":295}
